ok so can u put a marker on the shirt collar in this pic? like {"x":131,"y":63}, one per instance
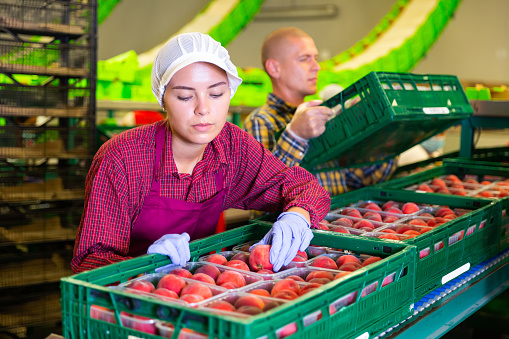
{"x":279,"y":105}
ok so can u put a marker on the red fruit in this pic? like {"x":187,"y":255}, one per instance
{"x":424,"y":188}
{"x":449,"y":216}
{"x":323,"y":226}
{"x":270,"y":305}
{"x":417,"y":222}
{"x":350,"y":267}
{"x":486,"y":194}
{"x":340,"y":229}
{"x":394,"y":210}
{"x":260,"y":292}
{"x":251,"y":310}
{"x":325,"y":262}
{"x":324,"y":221}
{"x":319,"y":274}
{"x":166,"y":293}
{"x":371,"y":206}
{"x":436,"y":221}
{"x":438,"y":182}
{"x":295,"y":277}
{"x":229,"y":286}
{"x":443,"y":190}
{"x":390,"y":219}
{"x":389,"y":204}
{"x":458,"y":185}
{"x":373,"y":216}
{"x":427,"y":215}
{"x":409,"y":208}
{"x":370,"y":260}
{"x":259,"y":258}
{"x":388,"y":230}
{"x":223,"y":305}
{"x":142,"y":285}
{"x":196,"y":288}
{"x":364,"y":223}
{"x":181,"y":272}
{"x":217,"y":259}
{"x":347,"y":258}
{"x":403,"y":228}
{"x":352,"y":212}
{"x":443,"y":211}
{"x":425,"y":229}
{"x":298,"y":258}
{"x":172,"y":282}
{"x":231,"y":277}
{"x":249,"y":300}
{"x":210,"y":270}
{"x":459,"y":192}
{"x":309,"y":288}
{"x":286,"y":294}
{"x":244,"y":257}
{"x":321,"y":281}
{"x":192,"y":298}
{"x":503,"y":194}
{"x":388,"y":236}
{"x":341,"y":274}
{"x":285,"y":284}
{"x":203,"y":278}
{"x":412,"y":232}
{"x":485,"y":182}
{"x":343,"y":222}
{"x":302,"y":254}
{"x":452,"y":177}
{"x":265,"y":272}
{"x":240,"y":265}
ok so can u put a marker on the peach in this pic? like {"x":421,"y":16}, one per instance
{"x":217,"y":259}
{"x":485,"y":182}
{"x":390,"y":219}
{"x":350,"y":266}
{"x":319,"y":274}
{"x":229,"y":285}
{"x":321,"y":281}
{"x":285,"y":284}
{"x":457,"y":185}
{"x":364,"y":223}
{"x":197,"y":288}
{"x":341,"y":274}
{"x":210,"y":270}
{"x":260,"y":292}
{"x":302,"y":254}
{"x":340,"y":229}
{"x":324,"y":221}
{"x":443,"y":211}
{"x":436,"y":221}
{"x":192,"y":298}
{"x":486,"y":194}
{"x":244,"y":257}
{"x":370,"y":260}
{"x":172,"y":282}
{"x":181,"y":272}
{"x":503,"y":194}
{"x":426,"y":215}
{"x":203,"y":278}
{"x":265,"y":272}
{"x":388,"y":230}
{"x":394,"y":210}
{"x":142,"y":285}
{"x":409,"y":208}
{"x":452,"y":177}
{"x":424,"y":188}
{"x":245,"y":248}
{"x":325,"y":262}
{"x":309,"y":288}
{"x":390,"y":203}
{"x":251,"y":310}
{"x":411,"y":232}
{"x":298,"y":258}
{"x":343,"y":222}
{"x":249,"y":300}
{"x":295,"y":277}
{"x":352,"y":212}
{"x":449,"y":216}
{"x":259,"y":258}
{"x":347,"y":258}
{"x":223,"y":305}
{"x":425,"y":229}
{"x":389,"y":236}
{"x":372,"y":216}
{"x":165,"y":293}
{"x":323,"y":226}
{"x":403,"y":228}
{"x":231,"y":276}
{"x":270,"y":305}
{"x":443,"y":190}
{"x":286,"y":294}
{"x":459,"y":192}
{"x":371,"y":206}
{"x":240,"y":265}
{"x":438,"y":182}
{"x":417,"y":222}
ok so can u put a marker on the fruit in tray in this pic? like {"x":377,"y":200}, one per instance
{"x":469,"y":186}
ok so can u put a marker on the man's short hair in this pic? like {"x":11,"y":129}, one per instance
{"x":274,"y":43}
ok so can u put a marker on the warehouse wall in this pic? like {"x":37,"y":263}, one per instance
{"x":474,"y":46}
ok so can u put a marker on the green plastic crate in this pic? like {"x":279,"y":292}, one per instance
{"x":322,"y":313}
{"x":479,"y":227}
{"x":462,"y":167}
{"x":396,"y":111}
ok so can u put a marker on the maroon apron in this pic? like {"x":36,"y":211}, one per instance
{"x":160,"y":215}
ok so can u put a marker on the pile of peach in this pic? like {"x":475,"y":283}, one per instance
{"x":451,"y":184}
{"x":256,"y":261}
{"x":346,"y":263}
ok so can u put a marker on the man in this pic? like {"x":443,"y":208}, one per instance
{"x":289,"y":56}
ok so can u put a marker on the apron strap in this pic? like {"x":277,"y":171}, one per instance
{"x":160,"y":138}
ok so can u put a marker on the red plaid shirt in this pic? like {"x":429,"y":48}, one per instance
{"x":121,"y":175}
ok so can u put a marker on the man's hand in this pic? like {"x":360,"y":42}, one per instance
{"x":309,"y":119}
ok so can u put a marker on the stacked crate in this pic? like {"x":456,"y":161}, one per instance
{"x":47,"y":132}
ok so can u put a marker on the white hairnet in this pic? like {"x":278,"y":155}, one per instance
{"x":185,"y":49}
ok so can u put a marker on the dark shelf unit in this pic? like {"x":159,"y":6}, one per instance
{"x":48,"y":75}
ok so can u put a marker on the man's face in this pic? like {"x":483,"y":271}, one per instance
{"x":299,"y":66}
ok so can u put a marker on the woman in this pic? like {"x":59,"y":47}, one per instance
{"x":156,"y":187}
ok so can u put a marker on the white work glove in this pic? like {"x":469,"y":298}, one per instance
{"x":176,"y":246}
{"x":289,"y":234}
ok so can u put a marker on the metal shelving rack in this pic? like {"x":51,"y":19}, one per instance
{"x":48,"y":60}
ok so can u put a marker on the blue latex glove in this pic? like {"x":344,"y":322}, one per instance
{"x":176,"y":246}
{"x":289,"y":234}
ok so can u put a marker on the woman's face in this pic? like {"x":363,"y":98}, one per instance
{"x":197,"y":99}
